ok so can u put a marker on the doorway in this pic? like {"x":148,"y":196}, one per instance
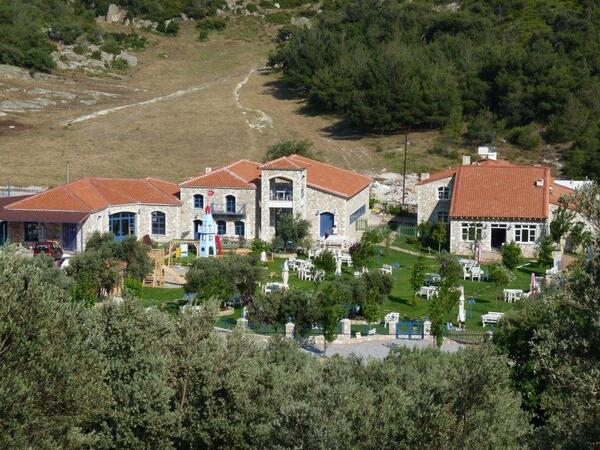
{"x":326,"y":224}
{"x":197,"y":229}
{"x":498,"y":237}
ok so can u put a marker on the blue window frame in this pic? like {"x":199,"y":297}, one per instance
{"x":240,"y":228}
{"x":198,"y":201}
{"x":121,"y":225}
{"x":357,"y":214}
{"x":221,"y":227}
{"x":159,"y":223}
{"x":230,"y":204}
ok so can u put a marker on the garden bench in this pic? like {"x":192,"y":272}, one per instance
{"x":491,"y":317}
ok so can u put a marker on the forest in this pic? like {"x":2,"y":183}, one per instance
{"x":519,"y":69}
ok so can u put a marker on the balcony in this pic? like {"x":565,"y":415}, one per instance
{"x":227,"y":209}
{"x":281,"y":198}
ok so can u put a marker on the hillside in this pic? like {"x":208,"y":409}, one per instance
{"x":186,"y":104}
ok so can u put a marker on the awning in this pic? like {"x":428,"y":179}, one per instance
{"x":29,"y":215}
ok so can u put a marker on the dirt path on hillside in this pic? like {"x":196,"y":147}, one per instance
{"x":160,"y":98}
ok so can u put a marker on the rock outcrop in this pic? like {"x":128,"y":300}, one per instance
{"x":115,"y":14}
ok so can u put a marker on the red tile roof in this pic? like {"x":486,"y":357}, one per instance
{"x":332,"y":179}
{"x":244,"y":174}
{"x":239,"y":175}
{"x":91,"y":193}
{"x":501,"y":191}
{"x":446,"y":173}
{"x":283,"y":163}
{"x":557,"y":191}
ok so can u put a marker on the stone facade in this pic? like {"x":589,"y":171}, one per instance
{"x":99,"y":221}
{"x":429,"y":205}
{"x":243,"y":197}
{"x":267,"y":206}
{"x":459,"y":246}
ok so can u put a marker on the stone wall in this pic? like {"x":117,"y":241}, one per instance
{"x":320,"y":202}
{"x":427,"y":200}
{"x":360,"y":199}
{"x":242,"y":196}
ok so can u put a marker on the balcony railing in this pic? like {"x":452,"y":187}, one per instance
{"x":223,"y":209}
{"x":282,"y":196}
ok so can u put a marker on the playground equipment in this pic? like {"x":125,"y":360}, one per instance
{"x":210,"y":241}
{"x":156,"y":278}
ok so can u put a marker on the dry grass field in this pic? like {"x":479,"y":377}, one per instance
{"x":185,"y":106}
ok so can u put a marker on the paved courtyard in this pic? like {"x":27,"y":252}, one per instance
{"x":380,"y":349}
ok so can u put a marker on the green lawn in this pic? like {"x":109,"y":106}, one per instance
{"x":161,"y":297}
{"x":486,"y":294}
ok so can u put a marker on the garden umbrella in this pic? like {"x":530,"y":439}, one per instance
{"x":533,"y":286}
{"x":338,"y":265}
{"x":285,"y":274}
{"x":479,"y":253}
{"x":461,"y":306}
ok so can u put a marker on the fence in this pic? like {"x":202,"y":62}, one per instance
{"x":468,"y":337}
{"x":401,"y":230}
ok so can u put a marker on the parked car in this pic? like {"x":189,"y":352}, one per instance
{"x":50,"y":248}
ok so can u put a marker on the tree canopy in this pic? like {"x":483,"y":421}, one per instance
{"x":524,"y":66}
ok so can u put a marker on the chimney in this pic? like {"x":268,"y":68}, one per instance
{"x":207,"y":169}
{"x":540,"y":182}
{"x":424,"y":176}
{"x":466,"y":160}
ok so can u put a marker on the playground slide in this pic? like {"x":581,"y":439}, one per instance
{"x":219,"y":245}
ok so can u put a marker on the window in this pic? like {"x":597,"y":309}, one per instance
{"x":471,"y":231}
{"x":442,"y":216}
{"x":443,"y":193}
{"x":221,"y":227}
{"x":230,"y":204}
{"x":158,"y":222}
{"x":32,"y":231}
{"x":198,"y":201}
{"x":357,"y":214}
{"x":525,"y":233}
{"x":240,"y":229}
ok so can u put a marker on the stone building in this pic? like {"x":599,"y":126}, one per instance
{"x":71,"y":212}
{"x":493,"y":202}
{"x":245,"y":199}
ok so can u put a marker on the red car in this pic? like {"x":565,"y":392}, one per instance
{"x":49,"y":248}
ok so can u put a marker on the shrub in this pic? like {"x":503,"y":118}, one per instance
{"x":511,"y":256}
{"x":325,"y":261}
{"x":132,"y":288}
{"x":119,"y":64}
{"x":203,"y":35}
{"x":545,"y":252}
{"x":266,"y":4}
{"x":96,"y":54}
{"x":212,"y":24}
{"x":526,"y":137}
{"x":171,"y":28}
{"x":251,"y":8}
{"x":279,"y":18}
{"x":79,"y":49}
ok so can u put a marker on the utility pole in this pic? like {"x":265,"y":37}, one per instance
{"x":404,"y":170}
{"x":67,"y":172}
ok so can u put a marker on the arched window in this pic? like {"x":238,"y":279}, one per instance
{"x":159,"y":223}
{"x":230,"y":204}
{"x":221,"y":227}
{"x":240,"y":228}
{"x":198,"y":201}
{"x":122,"y":224}
{"x":443,"y":193}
